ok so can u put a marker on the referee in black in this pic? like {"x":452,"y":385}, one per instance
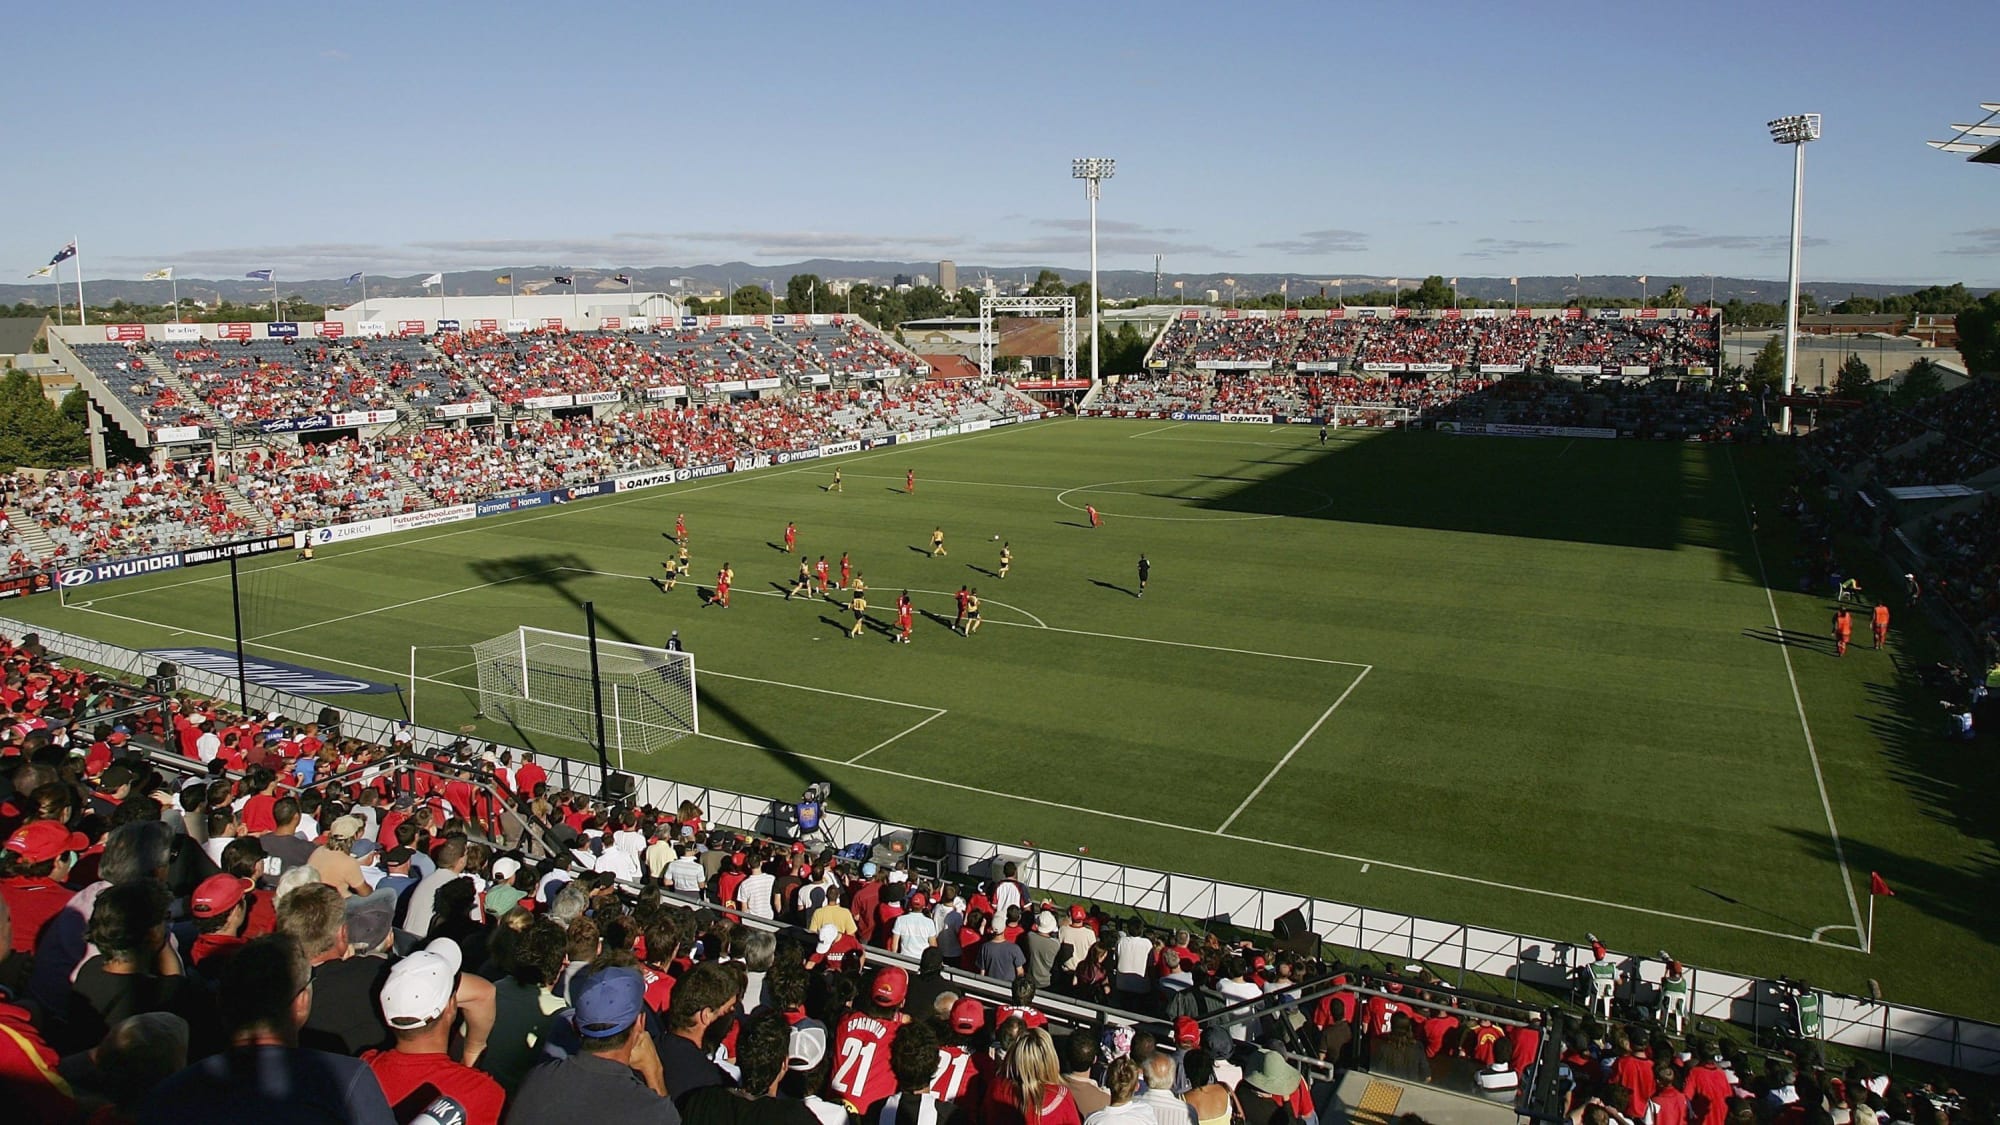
{"x":1145,"y":572}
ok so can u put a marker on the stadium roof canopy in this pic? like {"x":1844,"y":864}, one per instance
{"x":1980,"y":141}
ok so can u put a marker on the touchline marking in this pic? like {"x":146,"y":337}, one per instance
{"x":1798,"y":701}
{"x":939,"y":714}
{"x":1157,"y":429}
{"x":402,"y":605}
{"x":1220,"y":835}
{"x":1310,"y":731}
{"x":591,"y":504}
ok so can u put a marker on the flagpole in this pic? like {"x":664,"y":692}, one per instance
{"x":82,"y":317}
{"x":274,"y":294}
{"x":1868,"y":945}
{"x":55,"y":283}
{"x":511,"y":314}
{"x":176,"y":283}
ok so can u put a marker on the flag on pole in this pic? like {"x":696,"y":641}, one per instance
{"x":1285,"y":286}
{"x":623,"y":279}
{"x":258,"y":275}
{"x":160,"y":275}
{"x":434,"y":279}
{"x":504,"y":279}
{"x":1454,"y":281}
{"x":352,"y":279}
{"x":1180,"y":285}
{"x":1396,"y":282}
{"x":564,"y":279}
{"x":1642,"y":279}
{"x":1879,"y":886}
{"x":44,"y":271}
{"x":1513,"y":281}
{"x":64,"y":254}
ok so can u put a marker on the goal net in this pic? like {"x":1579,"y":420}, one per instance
{"x":539,"y":680}
{"x":1380,"y":415}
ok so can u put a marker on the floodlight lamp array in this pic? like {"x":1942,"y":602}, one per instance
{"x":1795,"y":129}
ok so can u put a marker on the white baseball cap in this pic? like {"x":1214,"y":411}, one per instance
{"x":505,"y":868}
{"x":420,"y":986}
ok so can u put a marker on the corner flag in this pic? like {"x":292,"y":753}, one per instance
{"x":1878,"y":885}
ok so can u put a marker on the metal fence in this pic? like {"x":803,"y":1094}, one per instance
{"x":1855,"y":1021}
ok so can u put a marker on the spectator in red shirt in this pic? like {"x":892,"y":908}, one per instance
{"x":256,"y":812}
{"x":419,"y":1004}
{"x":36,"y":860}
{"x":1707,"y":1087}
{"x":221,"y":907}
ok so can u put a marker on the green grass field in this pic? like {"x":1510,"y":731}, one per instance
{"x":1527,"y":684}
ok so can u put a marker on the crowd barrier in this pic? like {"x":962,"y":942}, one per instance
{"x":1446,"y":947}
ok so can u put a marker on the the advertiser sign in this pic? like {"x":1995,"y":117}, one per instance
{"x":463,"y":409}
{"x":635,"y":323}
{"x":596,"y":398}
{"x":552,"y":324}
{"x":1430,"y":368}
{"x":1576,"y":369}
{"x":518,"y":324}
{"x":547,"y":402}
{"x":585,"y":491}
{"x":122,"y":568}
{"x":486,"y":325}
{"x":282,"y":330}
{"x":688,"y":322}
{"x":240,"y":549}
{"x":22,"y":585}
{"x":180,"y":333}
{"x":124,"y":333}
{"x":176,"y":435}
{"x":408,"y":521}
{"x":788,"y":456}
{"x":1501,"y":368}
{"x":815,"y":379}
{"x":447,"y":324}
{"x":770,"y":384}
{"x":974,"y":427}
{"x":269,"y":673}
{"x":912,"y":435}
{"x":728,"y":386}
{"x":295,"y":425}
{"x":517,"y":503}
{"x":1635,"y":369}
{"x":1058,"y":384}
{"x":329,"y":329}
{"x":650,"y":479}
{"x":1252,"y":419}
{"x":835,"y":449}
{"x":1318,"y":365}
{"x":1196,"y":416}
{"x":670,"y":390}
{"x":364,"y":418}
{"x":370,"y":328}
{"x":1384,"y":365}
{"x":233,"y":332}
{"x":1230,"y":365}
{"x":409,"y":328}
{"x":612,"y":323}
{"x":750,"y":461}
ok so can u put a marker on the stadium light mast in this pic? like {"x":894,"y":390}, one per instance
{"x":1093,"y":171}
{"x":1797,"y":130}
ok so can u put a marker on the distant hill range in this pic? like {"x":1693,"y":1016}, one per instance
{"x":1115,"y":284}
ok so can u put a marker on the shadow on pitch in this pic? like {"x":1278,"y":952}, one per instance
{"x":1753,"y":908}
{"x":1072,"y":523}
{"x":718,"y":706}
{"x":1130,"y":593}
{"x":1790,"y":638}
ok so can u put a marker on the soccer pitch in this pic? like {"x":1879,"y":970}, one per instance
{"x":1528,"y":684}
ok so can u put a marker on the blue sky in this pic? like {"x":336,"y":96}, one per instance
{"x":1326,"y":139}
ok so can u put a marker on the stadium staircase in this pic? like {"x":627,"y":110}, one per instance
{"x":33,"y":538}
{"x":166,"y":374}
{"x":241,"y":505}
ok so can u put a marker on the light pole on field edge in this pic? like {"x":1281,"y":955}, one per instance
{"x":1093,"y":171}
{"x":1797,"y":130}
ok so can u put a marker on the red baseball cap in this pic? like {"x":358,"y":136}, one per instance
{"x":1077,"y":913}
{"x":217,"y":894}
{"x":1186,"y":1031}
{"x":892,"y":984}
{"x":967,"y":1015}
{"x":919,"y":902}
{"x":40,"y":841}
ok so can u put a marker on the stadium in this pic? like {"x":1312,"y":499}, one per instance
{"x":1413,"y":708}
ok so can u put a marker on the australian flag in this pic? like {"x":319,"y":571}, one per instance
{"x":64,"y":254}
{"x":565,"y":279}
{"x":259,"y":275}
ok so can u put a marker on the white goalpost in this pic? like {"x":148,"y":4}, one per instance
{"x":539,"y":680}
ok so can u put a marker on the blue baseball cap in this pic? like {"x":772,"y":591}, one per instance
{"x":608,"y":1001}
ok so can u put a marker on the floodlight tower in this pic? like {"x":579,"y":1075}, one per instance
{"x":1093,"y":171}
{"x":1797,"y":130}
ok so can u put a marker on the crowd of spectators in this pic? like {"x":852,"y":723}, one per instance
{"x":1536,"y":343}
{"x":1645,"y":410}
{"x":258,"y":380}
{"x":129,"y":510}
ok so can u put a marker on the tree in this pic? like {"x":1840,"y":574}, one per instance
{"x":1048,"y":283}
{"x":1675,"y":297}
{"x":1768,"y":369}
{"x":925,"y":302}
{"x":1434,"y":293}
{"x":1858,"y":306}
{"x":1923,"y":380}
{"x":806,"y":293}
{"x":1854,"y":379}
{"x":32,"y":431}
{"x":1979,"y":335}
{"x":750,"y":299}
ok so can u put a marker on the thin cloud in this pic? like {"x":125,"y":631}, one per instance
{"x":334,"y":54}
{"x":1674,"y":236}
{"x":1508,"y":247}
{"x":808,"y":243}
{"x":1116,"y":244}
{"x":1329,"y":241}
{"x":1107,"y":226}
{"x":1981,"y":241}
